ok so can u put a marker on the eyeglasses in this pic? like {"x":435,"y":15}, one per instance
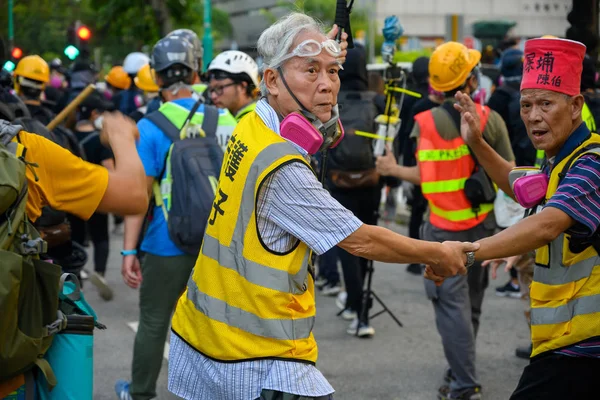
{"x":218,"y":90}
{"x":311,"y":48}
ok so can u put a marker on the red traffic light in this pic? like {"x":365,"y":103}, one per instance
{"x":84,"y":33}
{"x":16,"y":53}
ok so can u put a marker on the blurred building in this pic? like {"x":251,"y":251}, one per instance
{"x":427,"y":18}
{"x":425,"y":21}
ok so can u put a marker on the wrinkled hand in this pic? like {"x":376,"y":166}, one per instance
{"x":343,"y":44}
{"x":387,"y":163}
{"x":116,"y":125}
{"x":470,"y":124}
{"x":432,"y":276}
{"x":498,"y":262}
{"x":131,"y":271}
{"x":453,"y":259}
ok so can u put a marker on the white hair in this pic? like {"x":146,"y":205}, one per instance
{"x":276,"y":41}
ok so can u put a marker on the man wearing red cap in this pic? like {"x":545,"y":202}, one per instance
{"x":564,"y":202}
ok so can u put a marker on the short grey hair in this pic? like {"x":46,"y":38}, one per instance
{"x":276,"y":41}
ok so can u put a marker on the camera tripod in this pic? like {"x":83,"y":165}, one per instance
{"x":367,"y":301}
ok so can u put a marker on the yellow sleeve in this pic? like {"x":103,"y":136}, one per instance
{"x":65,"y":182}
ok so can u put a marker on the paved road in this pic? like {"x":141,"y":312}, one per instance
{"x":398,"y":363}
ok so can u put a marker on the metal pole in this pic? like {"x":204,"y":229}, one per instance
{"x":207,"y":40}
{"x":11,"y":33}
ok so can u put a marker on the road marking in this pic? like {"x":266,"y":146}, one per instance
{"x":134,"y":327}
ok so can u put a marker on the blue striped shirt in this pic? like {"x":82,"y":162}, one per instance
{"x":292,"y":205}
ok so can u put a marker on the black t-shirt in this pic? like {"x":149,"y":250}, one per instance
{"x":95,"y":152}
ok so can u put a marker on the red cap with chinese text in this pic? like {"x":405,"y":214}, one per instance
{"x":553,"y":64}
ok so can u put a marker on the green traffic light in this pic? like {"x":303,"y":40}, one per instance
{"x":9,"y":66}
{"x":71,"y":51}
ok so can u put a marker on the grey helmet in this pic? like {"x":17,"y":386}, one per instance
{"x":170,"y":51}
{"x":191,"y":37}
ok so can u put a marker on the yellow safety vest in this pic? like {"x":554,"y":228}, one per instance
{"x":245,"y":301}
{"x":565,"y":292}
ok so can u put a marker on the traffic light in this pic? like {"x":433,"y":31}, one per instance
{"x":84,"y":33}
{"x":9,"y":66}
{"x":78,"y":37}
{"x":71,"y":52}
{"x":16,"y":53}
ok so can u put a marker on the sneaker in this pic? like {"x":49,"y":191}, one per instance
{"x":415,"y":269}
{"x":340,"y":300}
{"x":103,"y":289}
{"x":473,"y":393}
{"x":320,"y":282}
{"x":331,"y":289}
{"x":524,"y":352}
{"x":509,"y":290}
{"x":364,"y":330}
{"x":349,"y":315}
{"x":122,"y":389}
{"x":84,"y":275}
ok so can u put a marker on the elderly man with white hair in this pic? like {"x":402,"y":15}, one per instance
{"x":243,"y":328}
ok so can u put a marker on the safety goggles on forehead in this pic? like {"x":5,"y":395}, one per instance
{"x":311,"y":48}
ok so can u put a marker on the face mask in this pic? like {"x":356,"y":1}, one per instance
{"x":529,"y":186}
{"x":307,"y":131}
{"x":56,"y":82}
{"x":98,"y":123}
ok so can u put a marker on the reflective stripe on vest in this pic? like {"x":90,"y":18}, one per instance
{"x":565,"y":292}
{"x":451,"y":185}
{"x":244,"y":301}
{"x":460,"y":215}
{"x":445,"y":166}
{"x":444,"y":155}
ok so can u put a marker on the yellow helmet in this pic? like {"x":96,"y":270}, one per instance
{"x":118,"y":78}
{"x":145,"y":81}
{"x":34,"y":68}
{"x":450,"y":66}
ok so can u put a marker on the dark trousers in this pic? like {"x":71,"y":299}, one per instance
{"x":328,"y":268}
{"x":418,"y":208}
{"x":364,"y":203}
{"x":555,"y":376}
{"x":164,"y":280}
{"x":98,"y":230}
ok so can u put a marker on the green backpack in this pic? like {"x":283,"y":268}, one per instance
{"x":29,"y":287}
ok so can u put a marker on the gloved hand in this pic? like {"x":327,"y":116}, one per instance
{"x":392,"y":30}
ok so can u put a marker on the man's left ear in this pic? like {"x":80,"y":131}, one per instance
{"x":577,"y":106}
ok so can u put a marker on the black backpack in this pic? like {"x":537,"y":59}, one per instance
{"x":195,"y":165}
{"x":352,"y":163}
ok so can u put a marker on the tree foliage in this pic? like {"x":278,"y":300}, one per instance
{"x":118,"y":26}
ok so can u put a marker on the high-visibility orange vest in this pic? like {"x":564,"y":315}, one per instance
{"x":445,"y":166}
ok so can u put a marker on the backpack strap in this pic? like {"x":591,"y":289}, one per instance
{"x":8,"y":131}
{"x":211,"y":120}
{"x":164,"y":124}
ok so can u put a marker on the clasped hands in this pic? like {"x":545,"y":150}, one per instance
{"x":452,"y":262}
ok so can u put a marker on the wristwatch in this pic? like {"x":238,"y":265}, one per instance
{"x":470,"y":259}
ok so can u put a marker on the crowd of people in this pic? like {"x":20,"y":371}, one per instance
{"x":245,"y":188}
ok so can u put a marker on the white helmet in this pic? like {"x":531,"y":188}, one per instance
{"x":235,"y":62}
{"x":134,"y":62}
